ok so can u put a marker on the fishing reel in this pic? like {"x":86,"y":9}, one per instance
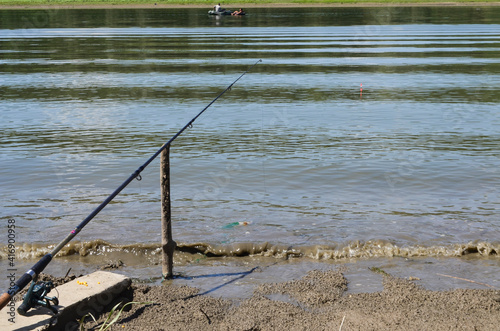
{"x":37,"y":296}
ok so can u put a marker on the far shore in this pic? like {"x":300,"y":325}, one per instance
{"x":248,"y":5}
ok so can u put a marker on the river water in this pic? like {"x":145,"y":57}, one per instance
{"x":364,"y":133}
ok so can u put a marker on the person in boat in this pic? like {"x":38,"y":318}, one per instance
{"x":238,"y":12}
{"x":217,"y":8}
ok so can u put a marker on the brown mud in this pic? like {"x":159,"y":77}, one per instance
{"x":318,"y":301}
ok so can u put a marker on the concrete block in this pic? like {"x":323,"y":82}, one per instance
{"x":90,"y":293}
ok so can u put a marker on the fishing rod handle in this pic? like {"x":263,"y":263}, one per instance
{"x":4,"y":300}
{"x":27,"y":277}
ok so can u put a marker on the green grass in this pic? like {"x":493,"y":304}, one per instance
{"x":112,"y":317}
{"x":210,"y":3}
{"x":378,"y":271}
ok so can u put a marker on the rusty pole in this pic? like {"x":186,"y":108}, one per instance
{"x":167,"y":243}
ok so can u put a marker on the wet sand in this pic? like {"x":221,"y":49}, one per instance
{"x":317,"y":301}
{"x":249,"y":293}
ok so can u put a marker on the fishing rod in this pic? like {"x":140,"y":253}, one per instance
{"x":33,"y":273}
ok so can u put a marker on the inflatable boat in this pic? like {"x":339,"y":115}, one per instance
{"x":221,"y":12}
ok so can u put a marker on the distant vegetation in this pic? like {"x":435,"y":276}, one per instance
{"x":212,"y":2}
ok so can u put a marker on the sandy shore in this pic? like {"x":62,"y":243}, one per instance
{"x":249,"y":5}
{"x":317,"y":301}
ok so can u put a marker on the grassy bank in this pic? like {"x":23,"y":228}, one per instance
{"x":254,"y":3}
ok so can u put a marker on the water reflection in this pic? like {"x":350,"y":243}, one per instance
{"x":294,"y":148}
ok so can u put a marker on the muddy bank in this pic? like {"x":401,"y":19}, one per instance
{"x":317,"y":301}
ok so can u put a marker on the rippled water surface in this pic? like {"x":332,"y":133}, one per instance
{"x":366,"y":131}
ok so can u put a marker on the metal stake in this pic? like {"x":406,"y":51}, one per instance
{"x":167,"y":243}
